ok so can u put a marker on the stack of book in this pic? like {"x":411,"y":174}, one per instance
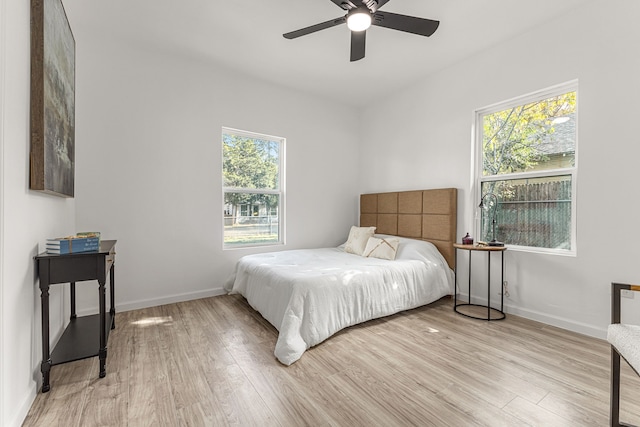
{"x":81,"y":242}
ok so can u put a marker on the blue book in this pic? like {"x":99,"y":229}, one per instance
{"x":69,"y":245}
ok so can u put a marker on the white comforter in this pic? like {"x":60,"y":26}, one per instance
{"x":308,"y":295}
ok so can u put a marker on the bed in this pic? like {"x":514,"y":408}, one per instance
{"x":310,"y":294}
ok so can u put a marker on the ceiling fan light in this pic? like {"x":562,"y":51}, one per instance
{"x":359,"y":21}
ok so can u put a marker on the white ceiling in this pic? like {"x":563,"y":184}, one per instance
{"x":246,"y":36}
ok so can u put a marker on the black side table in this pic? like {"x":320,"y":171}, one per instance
{"x":492,"y":313}
{"x":84,"y":336}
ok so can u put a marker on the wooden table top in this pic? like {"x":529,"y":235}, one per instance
{"x":479,"y":248}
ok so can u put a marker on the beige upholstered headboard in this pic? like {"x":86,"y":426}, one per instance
{"x":422,"y":214}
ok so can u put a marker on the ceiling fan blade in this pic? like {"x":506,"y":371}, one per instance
{"x":408,"y":24}
{"x":314,"y":28}
{"x":358,"y":39}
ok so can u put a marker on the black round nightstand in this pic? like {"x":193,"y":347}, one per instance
{"x":466,"y":308}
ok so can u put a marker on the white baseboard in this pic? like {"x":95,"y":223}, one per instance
{"x":547,"y":319}
{"x":21,"y":413}
{"x":560,"y":322}
{"x":154,"y":302}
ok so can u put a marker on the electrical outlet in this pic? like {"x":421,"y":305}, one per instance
{"x":625,"y":293}
{"x":505,"y":289}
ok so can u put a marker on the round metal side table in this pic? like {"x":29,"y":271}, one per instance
{"x":460,"y":307}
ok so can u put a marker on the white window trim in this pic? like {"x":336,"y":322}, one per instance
{"x":280,"y":191}
{"x":570,"y":86}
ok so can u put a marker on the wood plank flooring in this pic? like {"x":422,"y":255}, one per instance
{"x":210,"y":362}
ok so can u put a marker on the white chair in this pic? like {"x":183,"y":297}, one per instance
{"x":625,"y":342}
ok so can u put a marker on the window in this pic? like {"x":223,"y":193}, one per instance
{"x":253,"y":189}
{"x":527,"y":158}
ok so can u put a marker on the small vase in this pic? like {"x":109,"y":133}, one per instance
{"x":467,"y":240}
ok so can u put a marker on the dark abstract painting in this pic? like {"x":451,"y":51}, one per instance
{"x":52,"y":99}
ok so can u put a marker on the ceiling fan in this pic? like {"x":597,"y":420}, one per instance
{"x":361,"y":14}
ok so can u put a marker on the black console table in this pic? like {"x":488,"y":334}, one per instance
{"x":85,"y":336}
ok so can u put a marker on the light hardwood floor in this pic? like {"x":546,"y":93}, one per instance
{"x":210,"y":362}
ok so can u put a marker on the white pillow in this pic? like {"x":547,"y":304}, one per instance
{"x":381,"y":248}
{"x":358,"y":238}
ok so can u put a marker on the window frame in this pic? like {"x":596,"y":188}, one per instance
{"x":479,"y":178}
{"x":280,"y":191}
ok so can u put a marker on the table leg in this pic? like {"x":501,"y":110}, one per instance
{"x":112,"y":310}
{"x":489,"y":285}
{"x":502,"y":283}
{"x":102,"y":353}
{"x":45,"y":366}
{"x":469,"y":291}
{"x":73,"y":300}
{"x":455,"y":278}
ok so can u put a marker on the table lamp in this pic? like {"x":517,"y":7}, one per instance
{"x":482,"y":205}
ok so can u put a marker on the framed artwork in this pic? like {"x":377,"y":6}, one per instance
{"x":52,"y":99}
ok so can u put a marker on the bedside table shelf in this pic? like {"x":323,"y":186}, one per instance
{"x":475,"y":311}
{"x":80,"y":340}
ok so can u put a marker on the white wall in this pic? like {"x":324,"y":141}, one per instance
{"x":26,"y":219}
{"x":427,"y":130}
{"x":149,"y":166}
{"x":3,"y":66}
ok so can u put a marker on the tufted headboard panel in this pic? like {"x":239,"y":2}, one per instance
{"x":422,"y":214}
